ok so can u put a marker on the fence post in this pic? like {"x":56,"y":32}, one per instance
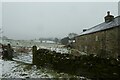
{"x":34,"y":49}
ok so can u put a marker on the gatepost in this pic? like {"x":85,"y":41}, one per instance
{"x":34,"y":49}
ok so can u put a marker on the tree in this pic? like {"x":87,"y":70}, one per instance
{"x":72,"y":35}
{"x":65,"y":40}
{"x":56,"y":40}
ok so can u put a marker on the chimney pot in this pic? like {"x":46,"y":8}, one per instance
{"x":108,"y":13}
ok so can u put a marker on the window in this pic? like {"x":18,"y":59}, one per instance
{"x":96,"y":39}
{"x":73,"y":40}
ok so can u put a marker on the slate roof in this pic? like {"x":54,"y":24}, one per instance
{"x":103,"y":26}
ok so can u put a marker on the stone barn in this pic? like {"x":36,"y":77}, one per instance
{"x":102,"y":39}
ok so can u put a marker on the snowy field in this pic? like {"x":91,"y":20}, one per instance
{"x":30,"y":44}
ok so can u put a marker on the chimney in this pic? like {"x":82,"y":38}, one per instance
{"x":109,"y":17}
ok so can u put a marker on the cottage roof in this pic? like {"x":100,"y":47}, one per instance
{"x":103,"y":26}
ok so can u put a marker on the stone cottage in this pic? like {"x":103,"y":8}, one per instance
{"x":102,"y":39}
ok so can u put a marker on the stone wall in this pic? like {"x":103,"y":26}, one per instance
{"x":103,"y":43}
{"x":90,"y":66}
{"x":119,"y":41}
{"x":112,"y":42}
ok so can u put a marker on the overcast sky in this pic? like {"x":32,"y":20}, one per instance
{"x":29,"y":20}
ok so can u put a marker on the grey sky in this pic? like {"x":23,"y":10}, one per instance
{"x":29,"y":20}
{"x":0,"y":14}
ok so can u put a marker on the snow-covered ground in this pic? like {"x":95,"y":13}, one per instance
{"x":24,"y":57}
{"x":58,"y":49}
{"x":0,"y":68}
{"x":18,"y":68}
{"x":12,"y":69}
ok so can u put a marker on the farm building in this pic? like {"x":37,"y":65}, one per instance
{"x":102,"y":39}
